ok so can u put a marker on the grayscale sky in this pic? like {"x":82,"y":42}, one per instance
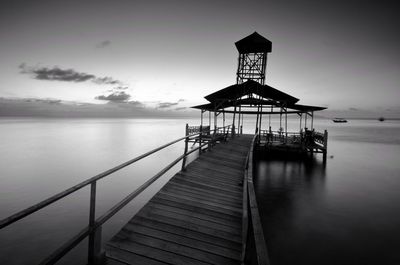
{"x":170,"y":54}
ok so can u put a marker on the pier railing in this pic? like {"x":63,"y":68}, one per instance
{"x":94,"y":228}
{"x":295,"y":137}
{"x":254,"y":247}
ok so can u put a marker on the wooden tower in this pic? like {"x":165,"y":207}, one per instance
{"x":252,"y":61}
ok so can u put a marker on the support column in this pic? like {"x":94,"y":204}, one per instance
{"x":286,"y":124}
{"x":233,"y":121}
{"x":312,"y":120}
{"x":240,"y":111}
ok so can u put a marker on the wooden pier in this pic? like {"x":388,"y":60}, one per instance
{"x":207,"y":213}
{"x":196,"y":218}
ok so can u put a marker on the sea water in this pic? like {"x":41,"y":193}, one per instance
{"x":347,"y":212}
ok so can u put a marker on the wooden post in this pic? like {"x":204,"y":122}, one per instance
{"x":305,"y":120}
{"x":286,"y":135}
{"x":239,"y":120}
{"x":261,"y":110}
{"x":200,"y":136}
{"x":233,"y":121}
{"x":301,"y":116}
{"x":186,"y":147}
{"x":223,"y":120}
{"x":325,"y":146}
{"x":95,"y":253}
{"x":312,"y":120}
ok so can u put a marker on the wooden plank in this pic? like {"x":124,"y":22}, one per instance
{"x":197,"y":183}
{"x":190,"y":242}
{"x":221,"y":163}
{"x":209,"y":230}
{"x":195,"y":208}
{"x":133,"y":238}
{"x":154,"y":211}
{"x":177,"y":230}
{"x":204,"y":190}
{"x":230,"y":187}
{"x":234,"y":186}
{"x":202,"y":216}
{"x":200,"y":197}
{"x":116,"y":256}
{"x":209,"y":163}
{"x":205,"y":204}
{"x":212,"y":177}
{"x":152,"y":253}
{"x":174,"y":187}
{"x":214,"y":174}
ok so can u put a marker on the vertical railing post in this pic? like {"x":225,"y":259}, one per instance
{"x":200,"y":136}
{"x":186,"y":147}
{"x":325,"y":146}
{"x":95,"y":254}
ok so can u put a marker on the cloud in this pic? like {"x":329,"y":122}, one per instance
{"x":136,"y":104}
{"x":163,"y":105}
{"x":120,"y":88}
{"x":43,"y":107}
{"x":106,"y":80}
{"x":103,"y":44}
{"x":115,"y":97}
{"x":181,"y":108}
{"x":44,"y":100}
{"x":67,"y":75}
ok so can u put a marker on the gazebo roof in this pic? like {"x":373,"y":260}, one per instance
{"x":296,"y":108}
{"x":237,"y":91}
{"x":254,"y":43}
{"x":232,"y":96}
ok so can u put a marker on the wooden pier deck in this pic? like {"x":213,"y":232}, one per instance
{"x":196,"y":218}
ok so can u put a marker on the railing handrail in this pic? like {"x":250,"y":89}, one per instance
{"x":96,"y":224}
{"x":250,"y":207}
{"x":23,"y":213}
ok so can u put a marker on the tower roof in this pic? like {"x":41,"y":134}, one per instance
{"x":253,"y":43}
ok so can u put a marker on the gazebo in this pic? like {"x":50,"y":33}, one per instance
{"x":251,"y":96}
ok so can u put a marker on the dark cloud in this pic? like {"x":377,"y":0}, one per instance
{"x":103,"y":44}
{"x":136,"y":104}
{"x":68,"y":75}
{"x":181,"y":108}
{"x":163,"y":105}
{"x":115,"y":97}
{"x":39,"y":107}
{"x":46,"y":100}
{"x":106,"y":80}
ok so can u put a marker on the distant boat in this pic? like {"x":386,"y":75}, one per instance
{"x":339,"y":120}
{"x":381,"y":119}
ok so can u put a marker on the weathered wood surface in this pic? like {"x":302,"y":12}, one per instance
{"x":196,"y":218}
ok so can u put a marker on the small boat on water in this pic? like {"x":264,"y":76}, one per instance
{"x":381,"y":119}
{"x":339,"y":120}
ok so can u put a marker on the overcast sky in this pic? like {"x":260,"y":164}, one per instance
{"x":170,"y":54}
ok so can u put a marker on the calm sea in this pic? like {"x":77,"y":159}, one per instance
{"x":345,"y":213}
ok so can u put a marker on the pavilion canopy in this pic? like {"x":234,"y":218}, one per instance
{"x":243,"y":95}
{"x":250,"y":87}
